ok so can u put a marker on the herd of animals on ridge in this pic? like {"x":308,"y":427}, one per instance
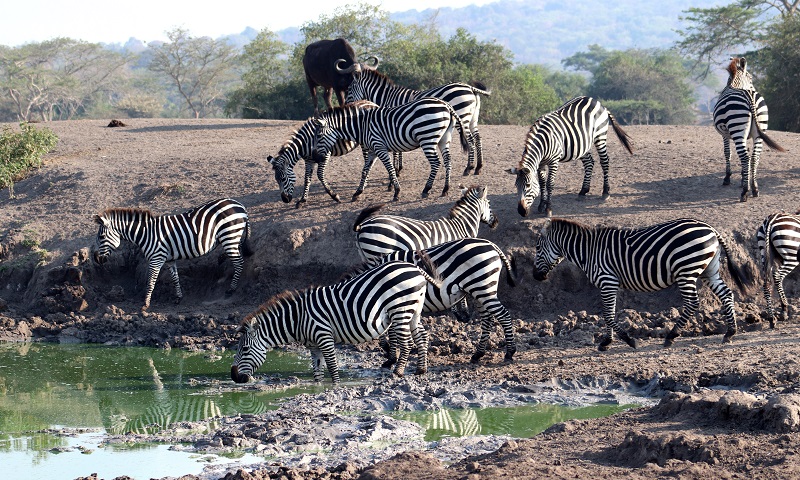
{"x":413,"y":266}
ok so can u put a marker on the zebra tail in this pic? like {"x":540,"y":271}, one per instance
{"x":480,"y":87}
{"x":621,"y":134}
{"x":462,"y":129}
{"x":510,"y":262}
{"x":428,"y":268}
{"x":742,"y":278}
{"x":247,"y":248}
{"x":365,"y":214}
{"x":767,"y":139}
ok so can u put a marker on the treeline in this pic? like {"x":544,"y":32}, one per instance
{"x":201,"y":77}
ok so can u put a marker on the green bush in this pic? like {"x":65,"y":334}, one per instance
{"x":21,"y":152}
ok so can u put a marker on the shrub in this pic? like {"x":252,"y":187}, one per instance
{"x":21,"y":152}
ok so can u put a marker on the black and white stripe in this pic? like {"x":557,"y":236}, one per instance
{"x":369,"y":84}
{"x":468,"y":267}
{"x":388,"y":296}
{"x":167,"y":238}
{"x":426,"y":123}
{"x":645,"y":259}
{"x":741,"y":114}
{"x":778,"y":242}
{"x":565,"y":134}
{"x":379,"y":235}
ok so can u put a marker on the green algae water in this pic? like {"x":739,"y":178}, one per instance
{"x":46,"y":388}
{"x":520,"y":422}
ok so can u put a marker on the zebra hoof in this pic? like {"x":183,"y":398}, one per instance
{"x":300,"y":203}
{"x":477,"y":171}
{"x":425,"y":193}
{"x":356,"y":195}
{"x":229,"y":292}
{"x":755,"y":193}
{"x":445,"y":190}
{"x":728,"y":336}
{"x":603,"y":346}
{"x":726,"y":181}
{"x":421,"y":371}
{"x":548,"y":213}
{"x":508,"y":359}
{"x":771,"y":323}
{"x":178,"y":300}
{"x":743,"y":198}
{"x":476,"y":357}
{"x":388,"y":363}
{"x":398,"y":373}
{"x":668,"y":342}
{"x":583,"y":192}
{"x":336,"y":198}
{"x":467,"y":170}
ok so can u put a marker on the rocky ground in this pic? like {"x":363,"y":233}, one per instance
{"x":718,"y":410}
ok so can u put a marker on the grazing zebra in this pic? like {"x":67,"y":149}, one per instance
{"x":469,"y":266}
{"x":426,"y":123}
{"x":778,"y":241}
{"x":384,"y":297}
{"x":565,"y":134}
{"x":741,"y":113}
{"x":379,"y":235}
{"x":369,"y":84}
{"x":167,"y":238}
{"x":645,"y":260}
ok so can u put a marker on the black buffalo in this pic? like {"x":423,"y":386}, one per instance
{"x":329,"y":64}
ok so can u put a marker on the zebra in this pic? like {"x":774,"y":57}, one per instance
{"x":468,"y":267}
{"x":379,"y":235}
{"x":739,"y":114}
{"x":565,"y":134}
{"x":167,"y":238}
{"x":369,"y":84}
{"x":300,"y":145}
{"x":387,"y":296}
{"x":778,"y":241}
{"x":426,"y":123}
{"x":646,"y":260}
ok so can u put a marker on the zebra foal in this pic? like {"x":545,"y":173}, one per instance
{"x":565,"y":134}
{"x":778,"y":239}
{"x":387,"y":296}
{"x":426,"y":123}
{"x":369,"y":84}
{"x":646,"y":260}
{"x":167,"y":238}
{"x":741,"y":114}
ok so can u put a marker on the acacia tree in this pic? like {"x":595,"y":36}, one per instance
{"x":264,"y":69}
{"x":198,"y":67}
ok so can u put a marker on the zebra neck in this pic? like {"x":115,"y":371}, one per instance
{"x":138,"y":230}
{"x":462,"y":225}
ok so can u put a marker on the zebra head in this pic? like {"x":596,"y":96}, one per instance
{"x":284,"y":175}
{"x":325,"y":137}
{"x":476,"y":199}
{"x":357,"y":90}
{"x":527,"y":189}
{"x":251,"y":352}
{"x":548,"y":254}
{"x":108,"y":238}
{"x":738,"y":76}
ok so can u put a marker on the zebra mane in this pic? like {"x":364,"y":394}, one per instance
{"x":472,"y":192}
{"x":360,"y":268}
{"x":269,"y":304}
{"x":381,"y":76}
{"x":139,"y":212}
{"x":564,"y":222}
{"x":365,"y":214}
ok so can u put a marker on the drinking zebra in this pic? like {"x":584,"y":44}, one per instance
{"x":468,"y":267}
{"x":384,"y":297}
{"x":778,"y":242}
{"x":379,"y":235}
{"x":426,"y":123}
{"x":167,"y":238}
{"x":565,"y":134}
{"x":741,"y":113}
{"x":369,"y":84}
{"x":646,"y":260}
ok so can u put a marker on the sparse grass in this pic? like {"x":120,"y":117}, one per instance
{"x":21,"y":152}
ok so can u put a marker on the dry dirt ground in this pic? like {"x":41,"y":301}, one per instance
{"x":726,"y":411}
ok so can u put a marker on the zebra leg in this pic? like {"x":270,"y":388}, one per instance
{"x":238,"y":265}
{"x":153,"y":269}
{"x":386,"y":160}
{"x":421,"y":341}
{"x":688,"y":289}
{"x":754,"y":159}
{"x":307,"y":185}
{"x":744,"y":157}
{"x":403,"y":342}
{"x":173,"y":271}
{"x":767,"y":287}
{"x":548,"y":191}
{"x":543,"y":201}
{"x":369,"y":159}
{"x":588,"y":168}
{"x":390,"y":347}
{"x":433,"y":159}
{"x":447,"y":168}
{"x":778,"y":276}
{"x":602,"y":152}
{"x":326,"y":346}
{"x":608,"y":293}
{"x":725,"y":296}
{"x":461,"y":310}
{"x":490,"y":311}
{"x":321,"y":176}
{"x":726,"y":153}
{"x":470,"y":153}
{"x":316,"y":364}
{"x":478,"y":150}
{"x":397,"y":159}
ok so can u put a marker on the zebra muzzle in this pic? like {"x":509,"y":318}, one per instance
{"x":239,"y":378}
{"x":522,"y":209}
{"x":99,"y":259}
{"x":286,"y":198}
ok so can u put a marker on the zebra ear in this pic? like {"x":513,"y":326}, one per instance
{"x":484,"y":191}
{"x":512,"y":170}
{"x":98,"y":220}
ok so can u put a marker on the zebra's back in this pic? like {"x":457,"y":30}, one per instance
{"x":197,"y":231}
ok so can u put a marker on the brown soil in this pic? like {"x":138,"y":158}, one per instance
{"x":727,"y":411}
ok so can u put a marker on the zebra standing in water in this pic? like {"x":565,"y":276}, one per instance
{"x":369,"y":84}
{"x":468,"y":267}
{"x":741,"y":113}
{"x":384,"y":297}
{"x":167,"y":238}
{"x":645,"y":260}
{"x":565,"y":134}
{"x":778,"y":241}
{"x":301,"y":145}
{"x":426,"y":123}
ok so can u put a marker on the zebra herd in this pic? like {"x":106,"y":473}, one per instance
{"x":412,"y":266}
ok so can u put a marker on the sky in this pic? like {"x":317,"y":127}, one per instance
{"x":115,"y":21}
